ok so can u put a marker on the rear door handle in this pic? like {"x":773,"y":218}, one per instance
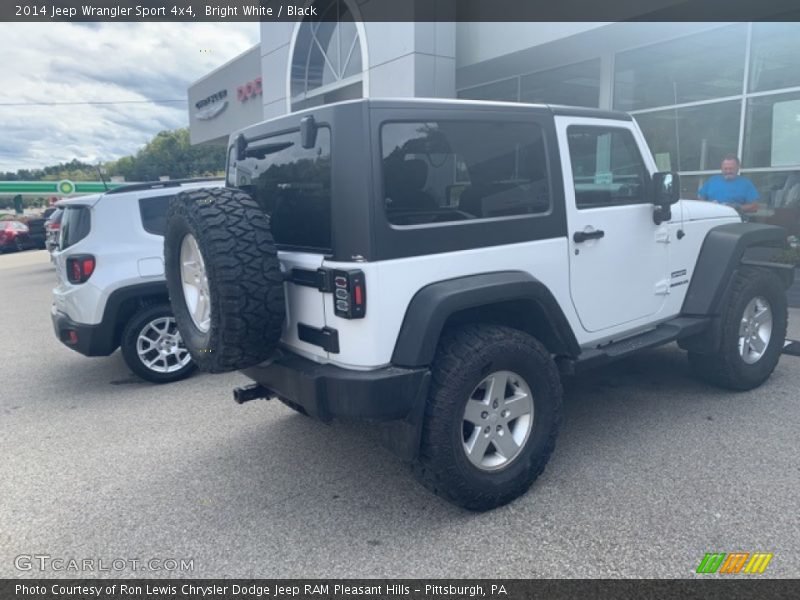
{"x":582,"y":236}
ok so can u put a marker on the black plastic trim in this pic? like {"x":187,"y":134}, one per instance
{"x":721,"y":254}
{"x":327,"y":391}
{"x":326,"y":338}
{"x":152,"y":185}
{"x":93,"y":340}
{"x":319,"y":279}
{"x":431,"y":306}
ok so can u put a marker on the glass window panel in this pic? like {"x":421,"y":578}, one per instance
{"x":774,"y":62}
{"x":354,"y":64}
{"x":693,"y":138}
{"x":702,"y":66}
{"x":772,"y":131}
{"x":154,"y":213}
{"x":293,"y":184}
{"x":438,"y":172}
{"x":505,"y":90}
{"x":607,"y":168}
{"x":575,"y":85}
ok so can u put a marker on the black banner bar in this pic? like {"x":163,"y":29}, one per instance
{"x":732,"y":588}
{"x":399,"y":10}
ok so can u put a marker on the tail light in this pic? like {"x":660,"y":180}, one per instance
{"x":80,"y":268}
{"x":349,"y":294}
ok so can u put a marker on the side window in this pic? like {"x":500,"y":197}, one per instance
{"x":607,"y":167}
{"x":75,"y":225}
{"x":154,"y":213}
{"x":445,"y":171}
{"x":293,"y":185}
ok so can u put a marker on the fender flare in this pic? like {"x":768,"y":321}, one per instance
{"x":724,"y":249}
{"x":434,"y":304}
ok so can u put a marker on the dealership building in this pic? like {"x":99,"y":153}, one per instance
{"x":699,"y":91}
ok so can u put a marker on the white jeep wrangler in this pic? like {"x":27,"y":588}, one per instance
{"x":434,"y":266}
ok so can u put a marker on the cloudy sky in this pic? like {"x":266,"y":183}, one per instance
{"x":101,"y":62}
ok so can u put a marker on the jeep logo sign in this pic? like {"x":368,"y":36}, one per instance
{"x":211,"y":106}
{"x":249,"y":90}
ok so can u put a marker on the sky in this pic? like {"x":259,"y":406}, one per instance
{"x":90,"y":62}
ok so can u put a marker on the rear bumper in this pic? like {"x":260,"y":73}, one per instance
{"x":92,"y":340}
{"x":391,"y":396}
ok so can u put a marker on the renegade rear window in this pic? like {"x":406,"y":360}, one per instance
{"x":293,"y":185}
{"x":154,"y":213}
{"x":75,"y":224}
{"x":444,"y":171}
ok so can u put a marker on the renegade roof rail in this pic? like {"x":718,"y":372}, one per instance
{"x":151,"y":185}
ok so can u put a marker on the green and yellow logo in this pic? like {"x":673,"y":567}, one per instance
{"x":66,"y":187}
{"x":734,"y":562}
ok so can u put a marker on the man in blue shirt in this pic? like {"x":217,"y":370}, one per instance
{"x":730,"y":187}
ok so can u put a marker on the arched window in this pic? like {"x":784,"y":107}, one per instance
{"x":326,"y":65}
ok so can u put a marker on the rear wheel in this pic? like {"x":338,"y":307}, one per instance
{"x":224,"y":279}
{"x":492,"y":416}
{"x":153,"y":348}
{"x":752,"y":333}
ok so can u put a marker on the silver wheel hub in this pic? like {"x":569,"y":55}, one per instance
{"x":497,"y":421}
{"x":755,"y":330}
{"x":194,"y":282}
{"x":160,"y":348}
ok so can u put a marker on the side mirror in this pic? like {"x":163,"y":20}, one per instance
{"x":308,"y":132}
{"x":666,"y":188}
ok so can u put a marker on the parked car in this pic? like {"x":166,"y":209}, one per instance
{"x":111,"y":291}
{"x":15,"y":236}
{"x":37,"y":232}
{"x":458,"y":260}
{"x":51,"y":227}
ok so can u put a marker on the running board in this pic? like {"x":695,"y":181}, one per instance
{"x":665,"y":333}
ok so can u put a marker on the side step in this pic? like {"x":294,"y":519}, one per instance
{"x":665,"y":333}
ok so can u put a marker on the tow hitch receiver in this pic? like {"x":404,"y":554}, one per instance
{"x":251,"y":392}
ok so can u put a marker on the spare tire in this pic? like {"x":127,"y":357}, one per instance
{"x":224,"y":279}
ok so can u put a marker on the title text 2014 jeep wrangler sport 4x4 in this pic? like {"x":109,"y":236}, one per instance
{"x":433,"y":266}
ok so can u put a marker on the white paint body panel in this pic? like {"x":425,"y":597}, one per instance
{"x":125,"y":254}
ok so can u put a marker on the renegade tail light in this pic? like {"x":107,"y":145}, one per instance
{"x":80,"y":268}
{"x":349,"y":294}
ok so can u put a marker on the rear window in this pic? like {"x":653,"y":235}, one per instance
{"x":154,"y":213}
{"x":293,"y":185}
{"x":438,"y":172}
{"x":75,"y":224}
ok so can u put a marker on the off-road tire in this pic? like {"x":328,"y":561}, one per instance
{"x":130,"y":335}
{"x":244,"y":277}
{"x":464,"y":357}
{"x":726,"y":368}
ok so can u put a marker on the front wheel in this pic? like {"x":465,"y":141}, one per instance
{"x":492,"y":416}
{"x":153,"y":348}
{"x":752,"y":333}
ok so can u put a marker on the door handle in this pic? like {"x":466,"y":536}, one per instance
{"x":582,"y":236}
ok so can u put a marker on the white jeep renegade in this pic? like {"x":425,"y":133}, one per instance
{"x":435,"y":266}
{"x":111,"y":290}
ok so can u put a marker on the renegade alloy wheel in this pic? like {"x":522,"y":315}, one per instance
{"x":153,"y":348}
{"x":492,"y":416}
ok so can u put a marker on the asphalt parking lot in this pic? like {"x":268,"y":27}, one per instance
{"x":651,"y":471}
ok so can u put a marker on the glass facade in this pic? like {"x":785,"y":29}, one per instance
{"x":575,"y":85}
{"x":730,"y":89}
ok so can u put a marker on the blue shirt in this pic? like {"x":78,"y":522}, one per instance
{"x":739,"y":190}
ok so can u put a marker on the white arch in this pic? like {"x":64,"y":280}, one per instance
{"x":362,"y":42}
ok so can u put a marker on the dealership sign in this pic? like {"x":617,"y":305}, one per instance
{"x":211,"y":106}
{"x":249,"y":90}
